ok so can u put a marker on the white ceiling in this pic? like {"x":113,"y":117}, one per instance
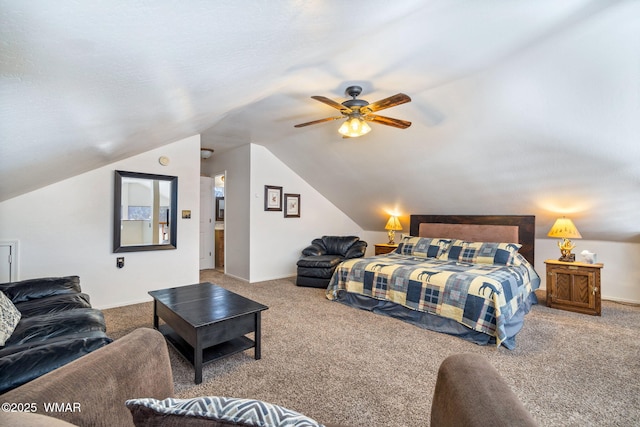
{"x":522,"y":107}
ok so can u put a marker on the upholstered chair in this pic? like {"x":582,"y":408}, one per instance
{"x":320,"y":259}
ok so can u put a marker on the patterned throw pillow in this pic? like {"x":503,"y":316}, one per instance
{"x":225,"y":411}
{"x":426,"y":247}
{"x":482,"y":252}
{"x":9,"y":318}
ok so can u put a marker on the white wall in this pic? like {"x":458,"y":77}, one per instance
{"x":66,"y":229}
{"x":261,"y":245}
{"x":276,"y":241}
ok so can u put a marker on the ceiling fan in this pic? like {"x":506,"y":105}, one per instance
{"x":358,"y":112}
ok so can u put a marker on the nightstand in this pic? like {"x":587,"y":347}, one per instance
{"x":385,"y":248}
{"x":574,"y":286}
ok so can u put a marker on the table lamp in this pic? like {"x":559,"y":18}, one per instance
{"x":393,"y":225}
{"x":565,"y":229}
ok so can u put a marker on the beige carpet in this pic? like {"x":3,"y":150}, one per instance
{"x":342,"y":365}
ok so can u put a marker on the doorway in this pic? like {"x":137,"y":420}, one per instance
{"x":8,"y":261}
{"x":219,"y":206}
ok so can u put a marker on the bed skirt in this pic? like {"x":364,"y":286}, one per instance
{"x":437,"y":323}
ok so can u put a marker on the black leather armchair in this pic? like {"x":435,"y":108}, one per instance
{"x":320,"y":259}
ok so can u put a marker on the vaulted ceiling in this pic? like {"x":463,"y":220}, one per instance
{"x":521,"y":107}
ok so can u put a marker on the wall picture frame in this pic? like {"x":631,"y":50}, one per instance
{"x":272,"y":198}
{"x":291,"y":205}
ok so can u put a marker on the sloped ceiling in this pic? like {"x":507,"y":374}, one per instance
{"x":521,"y":107}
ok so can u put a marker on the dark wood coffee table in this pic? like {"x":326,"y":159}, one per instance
{"x":205,"y":322}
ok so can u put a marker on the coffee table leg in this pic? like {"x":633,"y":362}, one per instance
{"x":258,"y":352}
{"x":155,"y":314}
{"x":197,"y":359}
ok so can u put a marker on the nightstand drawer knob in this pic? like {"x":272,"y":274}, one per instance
{"x":595,"y":290}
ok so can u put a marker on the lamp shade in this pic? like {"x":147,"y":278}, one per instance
{"x":564,"y":228}
{"x":354,"y":126}
{"x":393,"y":224}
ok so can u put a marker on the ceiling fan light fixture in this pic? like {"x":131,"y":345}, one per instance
{"x":359,"y":112}
{"x":354,"y":127}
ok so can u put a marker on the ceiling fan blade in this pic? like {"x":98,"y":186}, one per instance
{"x":315,"y":122}
{"x":332,"y":103}
{"x":396,"y":123}
{"x":391,"y":101}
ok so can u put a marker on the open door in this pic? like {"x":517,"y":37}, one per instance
{"x":220,"y":209}
{"x":206,"y":223}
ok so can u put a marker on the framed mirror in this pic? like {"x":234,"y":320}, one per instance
{"x":145,"y":212}
{"x":219,"y":208}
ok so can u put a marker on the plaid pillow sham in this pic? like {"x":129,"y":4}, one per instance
{"x":482,"y":252}
{"x":426,"y":247}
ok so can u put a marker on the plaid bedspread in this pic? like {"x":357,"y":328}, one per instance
{"x":480,"y":296}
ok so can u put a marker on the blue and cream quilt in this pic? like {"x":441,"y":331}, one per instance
{"x":482,"y":297}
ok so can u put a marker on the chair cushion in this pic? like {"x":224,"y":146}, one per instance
{"x":47,"y":326}
{"x":320,"y":261}
{"x":45,"y":358}
{"x":53,"y":304}
{"x":320,"y":273}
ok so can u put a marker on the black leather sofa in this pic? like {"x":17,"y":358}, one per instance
{"x":320,"y":259}
{"x":57,"y":326}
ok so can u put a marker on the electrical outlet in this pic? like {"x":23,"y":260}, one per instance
{"x":120,"y":262}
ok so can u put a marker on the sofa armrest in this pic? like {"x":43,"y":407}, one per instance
{"x":134,"y":366}
{"x":26,"y":290}
{"x":470,"y":392}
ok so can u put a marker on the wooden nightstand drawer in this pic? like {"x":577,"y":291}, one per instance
{"x":385,"y":248}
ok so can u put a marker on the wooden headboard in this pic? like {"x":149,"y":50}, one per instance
{"x":526,"y":225}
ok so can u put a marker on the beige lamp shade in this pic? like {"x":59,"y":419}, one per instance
{"x":393,"y":224}
{"x":564,"y":228}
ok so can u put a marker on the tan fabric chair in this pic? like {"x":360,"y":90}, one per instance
{"x":470,"y":392}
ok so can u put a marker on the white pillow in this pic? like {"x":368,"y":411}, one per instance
{"x":9,"y":318}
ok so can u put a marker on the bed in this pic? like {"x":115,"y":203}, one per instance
{"x":471,"y":276}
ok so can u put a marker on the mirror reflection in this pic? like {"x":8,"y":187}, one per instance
{"x":145,"y":212}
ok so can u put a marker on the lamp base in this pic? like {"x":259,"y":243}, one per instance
{"x":392,"y":236}
{"x":568,"y":258}
{"x":565,"y":250}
